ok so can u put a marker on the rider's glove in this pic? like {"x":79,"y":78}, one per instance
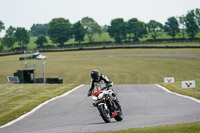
{"x":110,"y":84}
{"x":89,"y":93}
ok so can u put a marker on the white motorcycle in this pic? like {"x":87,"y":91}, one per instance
{"x":103,"y":99}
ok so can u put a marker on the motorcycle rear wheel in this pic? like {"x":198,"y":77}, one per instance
{"x":105,"y":114}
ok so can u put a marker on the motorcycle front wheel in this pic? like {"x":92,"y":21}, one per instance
{"x":119,"y":116}
{"x":105,"y":113}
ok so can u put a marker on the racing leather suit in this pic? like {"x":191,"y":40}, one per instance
{"x":109,"y":84}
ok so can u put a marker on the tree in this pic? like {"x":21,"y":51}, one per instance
{"x":91,"y":27}
{"x":1,"y":47}
{"x":79,"y":32}
{"x":197,"y":16}
{"x":154,"y":27}
{"x":9,"y":38}
{"x":2,"y":27}
{"x":41,"y":40}
{"x":136,"y":29}
{"x":104,"y":28}
{"x":117,"y":29}
{"x":39,"y":29}
{"x":172,"y":26}
{"x":191,"y":24}
{"x":60,"y":30}
{"x":183,"y":25}
{"x":22,"y":36}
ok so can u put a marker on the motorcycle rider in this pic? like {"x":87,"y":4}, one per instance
{"x":97,"y":77}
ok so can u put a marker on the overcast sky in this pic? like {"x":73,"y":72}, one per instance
{"x":25,"y":13}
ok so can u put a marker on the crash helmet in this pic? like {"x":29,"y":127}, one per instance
{"x":95,"y":74}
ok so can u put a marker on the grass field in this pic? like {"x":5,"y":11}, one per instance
{"x":178,"y":128}
{"x":16,"y":100}
{"x":119,"y":65}
{"x":74,"y":68}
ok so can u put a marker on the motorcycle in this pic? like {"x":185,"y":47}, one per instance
{"x":105,"y":101}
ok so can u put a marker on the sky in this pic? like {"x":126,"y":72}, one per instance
{"x":25,"y":13}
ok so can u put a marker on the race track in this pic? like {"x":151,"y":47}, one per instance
{"x":143,"y":106}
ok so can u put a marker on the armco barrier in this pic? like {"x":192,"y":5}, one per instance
{"x":104,"y":47}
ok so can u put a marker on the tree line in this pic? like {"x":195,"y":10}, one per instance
{"x":60,"y":30}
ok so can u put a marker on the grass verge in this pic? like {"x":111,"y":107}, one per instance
{"x":177,"y":128}
{"x":18,"y":99}
{"x":176,"y":87}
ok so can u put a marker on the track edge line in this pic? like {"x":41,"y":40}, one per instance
{"x":39,"y":106}
{"x":168,"y":91}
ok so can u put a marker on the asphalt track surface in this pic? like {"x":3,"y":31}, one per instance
{"x":143,"y":106}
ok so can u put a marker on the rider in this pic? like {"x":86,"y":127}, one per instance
{"x":97,"y":77}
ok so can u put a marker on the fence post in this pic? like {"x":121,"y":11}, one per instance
{"x":44,"y":79}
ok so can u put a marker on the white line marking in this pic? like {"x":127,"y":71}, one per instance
{"x":168,"y":91}
{"x":39,"y":106}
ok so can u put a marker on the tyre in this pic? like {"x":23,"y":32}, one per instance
{"x":105,"y":113}
{"x":119,"y":116}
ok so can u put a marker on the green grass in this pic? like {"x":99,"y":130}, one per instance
{"x":74,"y":68}
{"x":18,"y":99}
{"x":177,"y":128}
{"x":176,"y":87}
